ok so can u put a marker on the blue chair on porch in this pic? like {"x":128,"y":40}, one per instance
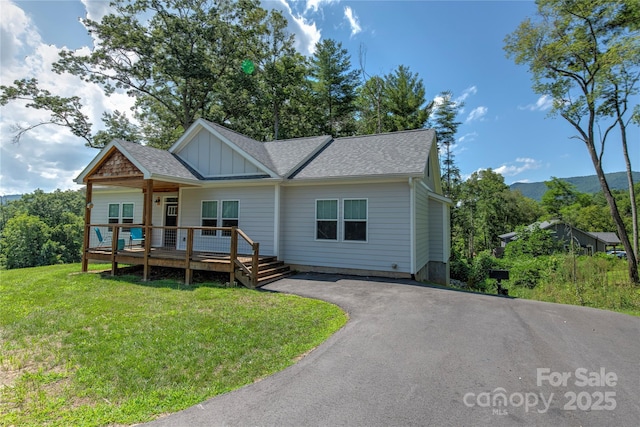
{"x":135,"y":234}
{"x":102,"y":241}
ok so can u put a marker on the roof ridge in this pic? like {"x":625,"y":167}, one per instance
{"x":385,"y":133}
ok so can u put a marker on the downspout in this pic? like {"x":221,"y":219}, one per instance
{"x":276,"y":221}
{"x":412,"y":226}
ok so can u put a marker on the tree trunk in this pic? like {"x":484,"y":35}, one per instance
{"x":615,"y":213}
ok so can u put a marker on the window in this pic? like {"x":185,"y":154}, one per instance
{"x":114,"y":213}
{"x":127,"y":213}
{"x":229,"y":215}
{"x":327,"y":219}
{"x":209,"y":216}
{"x":355,"y":220}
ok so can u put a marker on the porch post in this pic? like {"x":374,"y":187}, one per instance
{"x":146,"y":222}
{"x":233,"y":255}
{"x":87,"y":228}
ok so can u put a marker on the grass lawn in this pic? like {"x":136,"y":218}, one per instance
{"x":82,"y":349}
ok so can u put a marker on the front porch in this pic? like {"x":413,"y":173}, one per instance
{"x":219,"y":249}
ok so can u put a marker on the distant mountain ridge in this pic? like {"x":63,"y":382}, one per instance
{"x":584,"y":184}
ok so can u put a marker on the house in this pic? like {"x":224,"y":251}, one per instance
{"x":365,"y":205}
{"x":590,"y":241}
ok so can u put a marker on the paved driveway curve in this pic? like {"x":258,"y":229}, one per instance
{"x":419,"y":356}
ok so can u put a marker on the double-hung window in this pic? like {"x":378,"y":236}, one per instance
{"x":114,"y":213}
{"x":326,"y":219}
{"x":127,"y":213}
{"x":229,"y":215}
{"x":355,"y":220}
{"x":209,"y":216}
{"x":114,"y":216}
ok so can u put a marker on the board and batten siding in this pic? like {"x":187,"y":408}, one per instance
{"x":255,"y":215}
{"x":211,"y":157}
{"x":421,"y":225}
{"x":388,"y":228}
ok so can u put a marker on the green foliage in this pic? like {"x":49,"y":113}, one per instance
{"x":405,"y":100}
{"x":585,"y":54}
{"x":459,"y":266}
{"x":25,"y":243}
{"x":601,"y":282}
{"x":480,"y":267}
{"x":81,"y":349}
{"x":532,"y":241}
{"x":55,"y":217}
{"x":446,"y":127}
{"x":334,"y":86}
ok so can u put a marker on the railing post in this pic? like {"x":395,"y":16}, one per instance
{"x":147,"y":251}
{"x":189,"y":250}
{"x":254,"y":265}
{"x":233,"y":255}
{"x":115,"y":233}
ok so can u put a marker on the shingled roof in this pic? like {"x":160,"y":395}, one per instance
{"x":395,"y":154}
{"x":156,"y":161}
{"x":398,"y":153}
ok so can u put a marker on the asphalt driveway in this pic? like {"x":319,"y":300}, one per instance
{"x":412,"y":355}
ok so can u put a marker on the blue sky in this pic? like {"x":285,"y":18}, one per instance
{"x":452,"y":45}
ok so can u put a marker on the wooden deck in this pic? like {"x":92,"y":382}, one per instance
{"x":251,"y":270}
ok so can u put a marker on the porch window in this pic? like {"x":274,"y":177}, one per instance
{"x":114,"y":213}
{"x":326,"y":219}
{"x":355,"y":220}
{"x":127,"y":213}
{"x":229,"y":215}
{"x":209,"y":216}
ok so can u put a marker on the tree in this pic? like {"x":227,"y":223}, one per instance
{"x":179,"y":59}
{"x":532,"y":241}
{"x":446,"y":127}
{"x":481,"y":214}
{"x":59,"y":228}
{"x":25,"y":242}
{"x":573,"y":47}
{"x":559,"y":194}
{"x":334,"y":88}
{"x":405,"y":100}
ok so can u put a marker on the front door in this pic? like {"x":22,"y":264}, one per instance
{"x":170,"y":220}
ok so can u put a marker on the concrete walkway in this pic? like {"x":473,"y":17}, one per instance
{"x":412,"y":355}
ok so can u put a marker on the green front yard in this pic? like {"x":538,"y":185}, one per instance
{"x":82,"y":349}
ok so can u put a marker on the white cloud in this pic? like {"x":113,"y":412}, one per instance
{"x":472,"y":90}
{"x":522,"y":164}
{"x":477,"y":114}
{"x":47,"y":157}
{"x":468,"y":137}
{"x":354,"y":23}
{"x":315,"y":5}
{"x":543,"y":103}
{"x":306,"y":32}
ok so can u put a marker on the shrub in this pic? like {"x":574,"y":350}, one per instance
{"x":480,"y":267}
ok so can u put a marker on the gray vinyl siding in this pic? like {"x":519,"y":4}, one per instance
{"x":211,"y":157}
{"x":421,"y":225}
{"x":255,"y":215}
{"x":388,"y":227}
{"x":436,"y":231}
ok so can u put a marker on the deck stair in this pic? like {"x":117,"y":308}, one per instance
{"x":269,"y":270}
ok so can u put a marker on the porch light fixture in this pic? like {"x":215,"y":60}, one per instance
{"x":158,"y":201}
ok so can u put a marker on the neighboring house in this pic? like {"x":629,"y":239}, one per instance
{"x":590,"y":241}
{"x":366,"y":205}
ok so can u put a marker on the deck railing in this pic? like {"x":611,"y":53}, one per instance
{"x":118,"y":240}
